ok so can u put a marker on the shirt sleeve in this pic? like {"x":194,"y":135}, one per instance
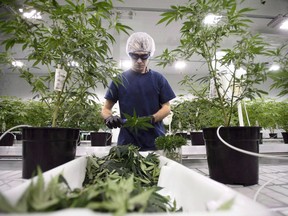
{"x":166,"y":93}
{"x":112,"y":93}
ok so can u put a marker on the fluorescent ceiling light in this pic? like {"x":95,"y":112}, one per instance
{"x":274,"y":67}
{"x":211,"y":19}
{"x":21,"y":10}
{"x":125,"y":64}
{"x":73,"y":64}
{"x":17,"y":64}
{"x":284,"y":25}
{"x":180,"y":65}
{"x":33,"y":14}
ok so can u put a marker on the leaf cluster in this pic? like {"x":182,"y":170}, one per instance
{"x":135,"y":123}
{"x":280,"y":78}
{"x":170,"y":143}
{"x":124,"y":160}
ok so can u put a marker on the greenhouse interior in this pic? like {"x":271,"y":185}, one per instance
{"x":129,"y":107}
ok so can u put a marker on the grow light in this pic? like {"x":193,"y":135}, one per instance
{"x":211,"y":19}
{"x":125,"y":64}
{"x":180,"y":65}
{"x":274,"y":67}
{"x":17,"y":64}
{"x":33,"y":14}
{"x":284,"y":25}
{"x":73,"y":64}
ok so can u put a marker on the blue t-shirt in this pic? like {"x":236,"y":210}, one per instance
{"x":143,"y":93}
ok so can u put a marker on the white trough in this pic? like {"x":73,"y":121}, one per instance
{"x":191,"y":190}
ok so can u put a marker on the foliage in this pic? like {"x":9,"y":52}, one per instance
{"x":70,"y":32}
{"x":280,"y":77}
{"x":282,"y":108}
{"x":195,"y":114}
{"x":135,"y":123}
{"x":199,"y":39}
{"x":12,"y":112}
{"x":38,"y":115}
{"x":85,"y":115}
{"x":169,"y":143}
{"x":124,"y":160}
{"x":111,"y":191}
{"x":264,"y":113}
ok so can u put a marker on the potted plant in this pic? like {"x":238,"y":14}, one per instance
{"x":12,"y":112}
{"x":170,"y":146}
{"x":71,"y":45}
{"x":232,"y":75}
{"x":192,"y":116}
{"x":283,"y":119}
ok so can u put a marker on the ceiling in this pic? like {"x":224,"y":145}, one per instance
{"x":144,"y":15}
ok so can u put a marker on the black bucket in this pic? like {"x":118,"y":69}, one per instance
{"x":229,"y":166}
{"x":273,"y":135}
{"x":100,"y":138}
{"x":47,"y":148}
{"x":182,"y":134}
{"x":7,"y":140}
{"x":285,"y":137}
{"x":197,"y":138}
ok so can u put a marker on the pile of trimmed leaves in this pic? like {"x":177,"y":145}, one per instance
{"x":121,"y":182}
{"x":124,"y":160}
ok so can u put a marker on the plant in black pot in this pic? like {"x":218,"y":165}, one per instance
{"x":170,"y":146}
{"x":232,"y":74}
{"x":69,"y":44}
{"x":12,"y":112}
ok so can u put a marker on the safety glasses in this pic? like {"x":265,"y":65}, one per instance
{"x":141,"y":56}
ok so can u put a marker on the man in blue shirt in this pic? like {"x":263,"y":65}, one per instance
{"x":144,"y":91}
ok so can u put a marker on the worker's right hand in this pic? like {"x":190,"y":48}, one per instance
{"x":113,"y":122}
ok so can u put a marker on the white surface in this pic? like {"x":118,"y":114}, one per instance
{"x":191,"y":190}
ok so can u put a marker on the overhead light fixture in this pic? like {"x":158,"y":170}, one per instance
{"x":180,"y":65}
{"x":125,"y":64}
{"x":73,"y":64}
{"x":211,"y":19}
{"x":284,"y":25}
{"x":32,"y":14}
{"x":280,"y":21}
{"x":274,"y":67}
{"x":17,"y":64}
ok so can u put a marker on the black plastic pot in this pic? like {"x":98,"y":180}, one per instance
{"x":47,"y":148}
{"x":7,"y":140}
{"x":285,"y":137}
{"x":273,"y":135}
{"x":261,"y":138}
{"x":100,"y":138}
{"x":197,"y":138}
{"x":229,"y":166}
{"x":184,"y":135}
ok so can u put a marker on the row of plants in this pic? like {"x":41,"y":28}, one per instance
{"x":14,"y":111}
{"x":268,"y":114}
{"x":196,"y":114}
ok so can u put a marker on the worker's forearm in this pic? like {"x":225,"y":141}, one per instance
{"x":162,"y":113}
{"x":106,"y":113}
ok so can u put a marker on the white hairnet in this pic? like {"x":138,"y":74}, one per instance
{"x":140,"y":42}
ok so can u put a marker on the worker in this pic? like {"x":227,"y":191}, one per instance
{"x":144,"y":91}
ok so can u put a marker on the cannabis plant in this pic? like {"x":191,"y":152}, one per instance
{"x":231,"y":76}
{"x":280,"y":78}
{"x":70,"y":43}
